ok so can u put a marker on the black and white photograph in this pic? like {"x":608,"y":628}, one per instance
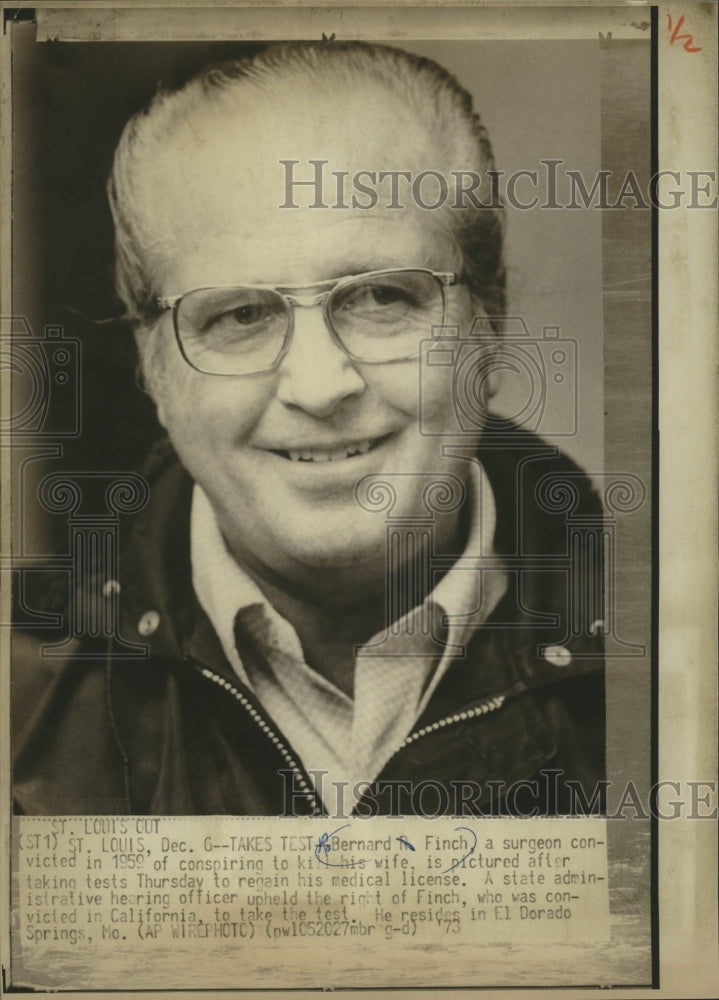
{"x":331,"y":343}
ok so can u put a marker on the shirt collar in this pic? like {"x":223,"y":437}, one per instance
{"x":223,"y":587}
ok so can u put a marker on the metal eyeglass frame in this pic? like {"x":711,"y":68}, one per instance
{"x":293,"y":300}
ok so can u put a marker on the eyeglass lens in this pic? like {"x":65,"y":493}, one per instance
{"x":243,"y":330}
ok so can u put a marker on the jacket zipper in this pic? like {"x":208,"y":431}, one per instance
{"x":472,"y":713}
{"x":486,"y":707}
{"x":270,"y":733}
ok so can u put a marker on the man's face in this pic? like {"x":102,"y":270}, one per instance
{"x":240,"y":438}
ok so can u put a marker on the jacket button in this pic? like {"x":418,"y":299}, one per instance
{"x":558,"y":656}
{"x":110,"y":587}
{"x":148,"y":623}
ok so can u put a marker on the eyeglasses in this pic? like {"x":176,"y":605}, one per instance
{"x":245,"y":330}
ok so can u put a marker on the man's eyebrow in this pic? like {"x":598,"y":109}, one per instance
{"x":348,"y":268}
{"x":360,"y":265}
{"x":340,"y":270}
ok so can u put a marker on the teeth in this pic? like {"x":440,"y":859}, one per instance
{"x":319,"y":455}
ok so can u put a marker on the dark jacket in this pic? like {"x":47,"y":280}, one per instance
{"x":174,"y":731}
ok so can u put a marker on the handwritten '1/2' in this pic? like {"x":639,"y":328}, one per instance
{"x":676,"y":37}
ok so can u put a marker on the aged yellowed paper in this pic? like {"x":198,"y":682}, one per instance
{"x":497,"y":377}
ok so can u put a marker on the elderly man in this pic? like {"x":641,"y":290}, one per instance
{"x":329,"y":575}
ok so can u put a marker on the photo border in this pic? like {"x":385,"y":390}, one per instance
{"x":667,"y":961}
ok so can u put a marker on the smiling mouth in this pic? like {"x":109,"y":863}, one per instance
{"x":338,"y":454}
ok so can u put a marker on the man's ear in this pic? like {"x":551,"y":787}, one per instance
{"x":491,"y":338}
{"x":147,"y":375}
{"x":493,"y":374}
{"x":160,"y":413}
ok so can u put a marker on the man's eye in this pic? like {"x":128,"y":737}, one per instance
{"x":248,"y":315}
{"x":374,"y":297}
{"x":386,"y":295}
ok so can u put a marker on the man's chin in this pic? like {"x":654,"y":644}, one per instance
{"x":337,"y":555}
{"x":333,"y":557}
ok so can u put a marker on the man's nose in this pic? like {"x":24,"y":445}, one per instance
{"x":316,"y":375}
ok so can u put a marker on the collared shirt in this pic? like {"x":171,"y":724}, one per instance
{"x":344,"y":741}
